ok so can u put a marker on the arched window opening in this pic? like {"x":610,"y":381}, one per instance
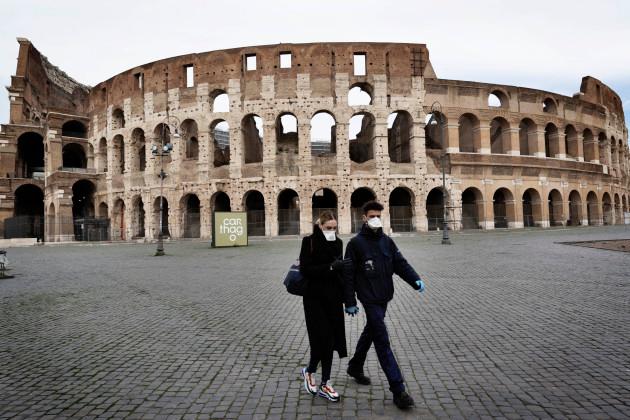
{"x":118,"y":155}
{"x":323,"y":200}
{"x":119,"y":227}
{"x":287,"y":145}
{"x":162,"y":136}
{"x":571,"y":142}
{"x":160,"y":223}
{"x":549,"y":106}
{"x":221,"y":102}
{"x":288,"y":213}
{"x":359,"y":197}
{"x":361,"y":137}
{"x":73,"y":156}
{"x":575,"y":209}
{"x":323,"y":134}
{"x":102,"y":151}
{"x":138,"y":218}
{"x":360,"y":95}
{"x":220,"y":201}
{"x":399,"y":134}
{"x":190,"y":133}
{"x":435,"y":209}
{"x":607,"y":209}
{"x":255,"y":208}
{"x":469,"y":134}
{"x":499,"y":136}
{"x":527,"y":137}
{"x":503,"y":205}
{"x":30,"y":156}
{"x":252,"y":129}
{"x":590,"y":146}
{"x":552,"y":141}
{"x":604,"y":149}
{"x":75,"y":129}
{"x":118,"y":119}
{"x":103,"y":210}
{"x":401,"y":210}
{"x":85,"y":229}
{"x":618,"y":210}
{"x":532,"y":208}
{"x":138,"y":142}
{"x":221,"y":138}
{"x":497,"y":99}
{"x":435,"y":131}
{"x":472,"y":208}
{"x":28,"y":214}
{"x":556,"y":211}
{"x":191,"y":215}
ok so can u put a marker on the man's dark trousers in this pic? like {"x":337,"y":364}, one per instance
{"x":376,"y":331}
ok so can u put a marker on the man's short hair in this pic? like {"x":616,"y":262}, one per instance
{"x":372,"y":205}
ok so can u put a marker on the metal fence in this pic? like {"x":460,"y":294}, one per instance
{"x":90,"y":228}
{"x":401,"y":218}
{"x":24,"y":227}
{"x":435,"y":217}
{"x":192,"y":225}
{"x":288,"y":221}
{"x":255,"y":223}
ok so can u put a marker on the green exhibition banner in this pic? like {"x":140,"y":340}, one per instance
{"x":229,"y":229}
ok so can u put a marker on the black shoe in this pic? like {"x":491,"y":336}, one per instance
{"x":403,"y":400}
{"x":358,"y":376}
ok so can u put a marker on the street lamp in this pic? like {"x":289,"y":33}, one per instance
{"x":436,"y":119}
{"x":164,"y":149}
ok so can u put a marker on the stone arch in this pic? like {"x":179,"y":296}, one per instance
{"x":287,"y":144}
{"x":323,"y":133}
{"x":220,"y":101}
{"x":593,"y":216}
{"x":362,"y":135}
{"x":469,"y":133}
{"x":550,"y":106}
{"x":220,"y":130}
{"x":102,"y":152}
{"x":118,"y":155}
{"x":497,"y":98}
{"x":360,"y":94}
{"x":571,"y":142}
{"x":575,"y":209}
{"x":288,"y":212}
{"x":604,"y":149}
{"x":324,"y":199}
{"x":28,"y":213}
{"x":220,"y":201}
{"x":435,"y":209}
{"x":401,"y":209}
{"x":30,"y":155}
{"x":399,"y":135}
{"x":161,"y":139}
{"x":607,"y":209}
{"x":74,"y":128}
{"x":499,"y":135}
{"x":137,"y":217}
{"x":555,"y":208}
{"x":103,"y":210}
{"x":190,"y":210}
{"x":503,"y":208}
{"x":118,"y":220}
{"x":532,"y":208}
{"x":618,"y":210}
{"x":139,"y":162}
{"x":73,"y":156}
{"x":190,"y":138}
{"x":160,"y":202}
{"x":552,"y":140}
{"x":590,"y":146}
{"x":253,"y":135}
{"x":527,"y":137}
{"x":472,"y":208}
{"x":51,"y":216}
{"x":118,"y":119}
{"x":359,"y":197}
{"x":435,"y":131}
{"x":254,"y":205}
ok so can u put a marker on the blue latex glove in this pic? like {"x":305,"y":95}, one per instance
{"x":420,"y":284}
{"x":352,"y":310}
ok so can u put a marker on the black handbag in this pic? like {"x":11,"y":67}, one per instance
{"x":294,"y":281}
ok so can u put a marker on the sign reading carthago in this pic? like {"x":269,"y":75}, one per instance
{"x":229,"y":229}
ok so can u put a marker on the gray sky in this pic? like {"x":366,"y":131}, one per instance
{"x":546,"y":45}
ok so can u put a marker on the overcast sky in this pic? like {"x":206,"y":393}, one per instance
{"x":546,"y":45}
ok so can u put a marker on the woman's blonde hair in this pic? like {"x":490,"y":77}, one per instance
{"x":325,"y":216}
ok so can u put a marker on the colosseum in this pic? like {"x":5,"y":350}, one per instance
{"x":284,"y":131}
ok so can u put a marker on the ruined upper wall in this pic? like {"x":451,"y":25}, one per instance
{"x":39,"y":87}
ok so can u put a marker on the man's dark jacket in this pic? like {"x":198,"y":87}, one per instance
{"x":375,"y":259}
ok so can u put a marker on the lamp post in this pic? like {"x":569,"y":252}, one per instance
{"x":165,"y":149}
{"x":436,"y":119}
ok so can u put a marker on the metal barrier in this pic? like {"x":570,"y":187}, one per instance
{"x":26,"y":226}
{"x":401,"y":218}
{"x":256,"y":223}
{"x":288,"y":222}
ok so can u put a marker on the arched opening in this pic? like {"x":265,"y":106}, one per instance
{"x":118,"y":221}
{"x":571,"y":142}
{"x":624,"y":204}
{"x":592,"y":209}
{"x":527,"y":137}
{"x":50,"y":223}
{"x":590,"y":146}
{"x":190,"y":135}
{"x":28,"y":214}
{"x":138,"y":218}
{"x":472,"y":208}
{"x":83,"y":209}
{"x":360,"y":94}
{"x":220,"y":130}
{"x":469,"y":134}
{"x":549,"y":106}
{"x":103,"y":211}
{"x":323,"y":134}
{"x":435,"y":209}
{"x":190,"y":208}
{"x":287,"y":144}
{"x":255,"y":208}
{"x":498,"y":99}
{"x":532,"y":208}
{"x":30,"y":156}
{"x":161,"y":224}
{"x":323,"y":200}
{"x":139,"y":161}
{"x":607,"y":209}
{"x":503,"y":207}
{"x":359,"y":197}
{"x":399,"y":135}
{"x":604,"y":149}
{"x":499,"y":136}
{"x":118,"y":119}
{"x":618,"y":210}
{"x":221,"y":101}
{"x":75,"y":129}
{"x":73,"y":156}
{"x":575,"y":209}
{"x":288,"y":213}
{"x":102,"y":152}
{"x":220,"y":201}
{"x":361,"y":135}
{"x":401,"y":210}
{"x":556,"y":213}
{"x":118,"y":155}
{"x":435,"y":132}
{"x":252,"y":131}
{"x":552,"y":141}
{"x":162,"y":136}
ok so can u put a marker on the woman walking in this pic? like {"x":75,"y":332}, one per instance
{"x":321,"y":264}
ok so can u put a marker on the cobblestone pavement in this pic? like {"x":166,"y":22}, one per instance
{"x":513,"y":325}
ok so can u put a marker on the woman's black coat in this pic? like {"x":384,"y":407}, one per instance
{"x":323,"y":307}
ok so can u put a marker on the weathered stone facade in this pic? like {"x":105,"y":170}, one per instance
{"x":513,"y":156}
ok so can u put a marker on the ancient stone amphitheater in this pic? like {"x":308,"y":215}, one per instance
{"x":284,"y":131}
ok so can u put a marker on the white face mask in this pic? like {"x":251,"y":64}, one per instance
{"x":330,"y":235}
{"x":375,"y":223}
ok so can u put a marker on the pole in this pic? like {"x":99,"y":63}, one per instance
{"x":445,"y":239}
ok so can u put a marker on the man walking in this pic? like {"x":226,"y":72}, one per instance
{"x":375,"y":258}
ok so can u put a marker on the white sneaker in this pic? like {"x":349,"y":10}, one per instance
{"x":327,"y":391}
{"x":309,"y":382}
